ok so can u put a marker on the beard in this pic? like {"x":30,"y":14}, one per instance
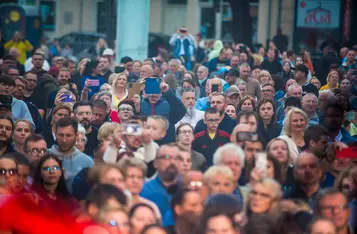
{"x":170,"y":173}
{"x":190,"y":111}
{"x":85,"y":123}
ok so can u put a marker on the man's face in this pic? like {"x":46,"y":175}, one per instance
{"x":307,"y":171}
{"x":212,"y":121}
{"x":251,"y":121}
{"x":84,"y":116}
{"x":37,"y":61}
{"x":244,"y":72}
{"x":266,"y":111}
{"x":10,"y":178}
{"x":299,"y":75}
{"x":36,"y":150}
{"x":173,"y":67}
{"x":5,"y":130}
{"x":133,"y":142}
{"x":335,"y":207}
{"x":219,"y":103}
{"x":31,"y":81}
{"x":268,"y":92}
{"x":271,"y":54}
{"x":129,"y":66}
{"x":59,"y":64}
{"x":295,"y":92}
{"x":71,"y":68}
{"x":59,"y":114}
{"x":333,"y":119}
{"x":320,"y":147}
{"x":6,"y":89}
{"x":13,"y":72}
{"x":251,"y":148}
{"x":234,"y":61}
{"x":188,"y":99}
{"x":125,"y":111}
{"x":309,"y":104}
{"x":243,"y":58}
{"x":351,"y":55}
{"x":23,"y":172}
{"x":168,"y":162}
{"x":99,"y":115}
{"x":103,"y":64}
{"x":63,"y":77}
{"x":145,"y":71}
{"x":19,"y":89}
{"x":66,"y":138}
{"x":202,"y":73}
{"x":231,"y":160}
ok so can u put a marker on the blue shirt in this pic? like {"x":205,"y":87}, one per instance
{"x":155,"y":191}
{"x":202,"y":104}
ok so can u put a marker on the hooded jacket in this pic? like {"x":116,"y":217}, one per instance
{"x":218,"y":45}
{"x":72,"y":164}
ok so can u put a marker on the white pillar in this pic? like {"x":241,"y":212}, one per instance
{"x":133,"y":19}
{"x":193,"y":16}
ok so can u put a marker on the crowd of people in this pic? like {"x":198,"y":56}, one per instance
{"x":235,"y":141}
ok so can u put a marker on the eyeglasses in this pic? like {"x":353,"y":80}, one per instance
{"x":169,"y":157}
{"x":49,"y":169}
{"x":125,"y":109}
{"x":84,"y":113}
{"x":37,"y":151}
{"x":183,"y":132}
{"x":195,"y":183}
{"x":334,"y":208}
{"x":11,"y":171}
{"x":212,"y":121}
{"x":114,"y":223}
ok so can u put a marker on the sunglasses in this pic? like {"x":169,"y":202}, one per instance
{"x":11,"y":172}
{"x":48,"y":169}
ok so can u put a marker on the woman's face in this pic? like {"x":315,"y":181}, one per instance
{"x":21,"y":132}
{"x":346,"y":85}
{"x":220,"y":224}
{"x":136,"y":67}
{"x":117,"y":221}
{"x":333,"y":80}
{"x":342,"y":100}
{"x":121,"y":82}
{"x":231,"y":111}
{"x":286,"y":67}
{"x":187,"y":85}
{"x":185,"y":136}
{"x":270,"y":169}
{"x":315,"y":82}
{"x":187,"y":76}
{"x":260,"y":199}
{"x":10,"y":178}
{"x":247,"y":105}
{"x":142,"y":217}
{"x":221,"y":184}
{"x":298,"y":61}
{"x":243,"y":90}
{"x":264,"y":79}
{"x":80,"y":142}
{"x":266,"y":111}
{"x":113,"y":176}
{"x":134,"y":180}
{"x":348,"y":187}
{"x":186,"y":163}
{"x":107,"y":100}
{"x":51,"y":172}
{"x":279,"y":150}
{"x":298,"y":123}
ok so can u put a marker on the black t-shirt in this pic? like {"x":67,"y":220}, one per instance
{"x":309,"y":88}
{"x":92,"y":142}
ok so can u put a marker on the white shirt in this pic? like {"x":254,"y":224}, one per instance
{"x":29,"y":65}
{"x":191,"y":119}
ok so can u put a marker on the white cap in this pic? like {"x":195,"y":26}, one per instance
{"x":108,"y":52}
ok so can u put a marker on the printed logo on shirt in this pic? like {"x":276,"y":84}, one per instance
{"x":204,"y":146}
{"x":94,"y":82}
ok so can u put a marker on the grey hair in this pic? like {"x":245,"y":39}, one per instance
{"x":241,"y":82}
{"x":244,"y":65}
{"x":233,"y":148}
{"x":295,"y":85}
{"x":203,"y":67}
{"x":82,"y":131}
{"x":328,"y":91}
{"x":310,"y":95}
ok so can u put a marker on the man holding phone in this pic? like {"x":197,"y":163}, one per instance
{"x":183,"y":46}
{"x":162,"y":101}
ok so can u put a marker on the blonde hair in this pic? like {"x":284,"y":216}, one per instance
{"x":262,"y":73}
{"x":164,"y":122}
{"x":25,"y":121}
{"x":111,"y":78}
{"x":126,"y":163}
{"x":116,"y":79}
{"x":330,"y":74}
{"x":213,"y":171}
{"x":315,"y":78}
{"x":106,"y":130}
{"x":287,"y":121}
{"x":97,"y":171}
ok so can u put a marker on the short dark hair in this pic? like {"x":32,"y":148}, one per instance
{"x":67,"y":62}
{"x":101,"y":193}
{"x":211,"y":110}
{"x":247,"y":114}
{"x":99,"y":103}
{"x":327,"y":192}
{"x":127,"y":102}
{"x":67,"y":121}
{"x":34,"y":137}
{"x":21,"y":159}
{"x":179,"y":198}
{"x":302,"y":68}
{"x":314,"y":133}
{"x":290,"y":53}
{"x":126,"y":59}
{"x":82,"y":103}
{"x":182,"y":125}
{"x":6,"y":117}
{"x":335,"y":105}
{"x":6,"y":79}
{"x":191,"y":82}
{"x":292,"y":101}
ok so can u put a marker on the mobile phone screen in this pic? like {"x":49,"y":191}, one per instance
{"x":67,"y":98}
{"x":214,"y":88}
{"x":152,"y":86}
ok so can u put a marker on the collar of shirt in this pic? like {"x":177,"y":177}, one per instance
{"x":201,"y":81}
{"x":337,"y":138}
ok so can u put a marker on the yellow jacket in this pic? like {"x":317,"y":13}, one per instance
{"x":327,"y":86}
{"x":23,"y":46}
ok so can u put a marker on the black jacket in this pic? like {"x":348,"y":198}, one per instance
{"x":227,"y":125}
{"x":323,"y":64}
{"x":274,"y":67}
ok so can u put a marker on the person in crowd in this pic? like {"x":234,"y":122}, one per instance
{"x":157,"y":125}
{"x":307,"y":174}
{"x":264,"y":77}
{"x":203,"y":103}
{"x":99,"y":113}
{"x":35,"y":148}
{"x":219,"y":179}
{"x":91,"y":81}
{"x":83,"y":113}
{"x":217,"y":62}
{"x":160,"y":189}
{"x":316,"y":138}
{"x":295,"y":123}
{"x":7,"y":128}
{"x":73,"y":161}
{"x":321,"y":225}
{"x":268,"y":92}
{"x":247,"y":103}
{"x":272,"y":64}
{"x":286,"y":73}
{"x":192,"y":115}
{"x":167,"y":105}
{"x":49,"y":183}
{"x":21,"y":44}
{"x":300,"y":75}
{"x":350,"y":62}
{"x":141,"y":215}
{"x":22,"y":129}
{"x":185,"y":138}
{"x":126,"y":109}
{"x":332,"y":81}
{"x":112,"y":114}
{"x":202,"y":76}
{"x":347,"y":89}
{"x":309,"y":105}
{"x":38,"y":60}
{"x":253,"y":86}
{"x":120,"y":91}
{"x":232,"y":77}
{"x":333,"y":121}
{"x":207,"y":141}
{"x":250,"y":118}
{"x":344,"y":183}
{"x":183,"y":46}
{"x":234,"y":95}
{"x":231,"y":111}
{"x":104,"y":69}
{"x":315,"y":82}
{"x":268,"y":126}
{"x":8,"y":176}
{"x":107,"y":130}
{"x":256,"y":71}
{"x":242,"y":86}
{"x":81,"y":138}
